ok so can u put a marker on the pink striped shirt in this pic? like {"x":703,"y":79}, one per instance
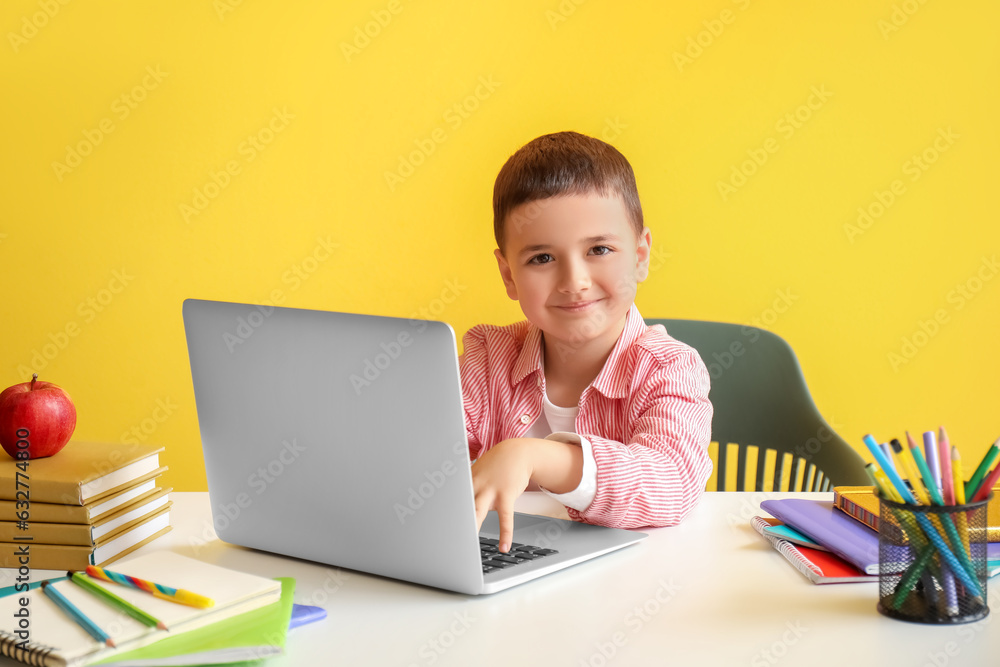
{"x":646,"y":414}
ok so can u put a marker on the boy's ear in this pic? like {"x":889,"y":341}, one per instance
{"x":642,"y":251}
{"x":508,"y":280}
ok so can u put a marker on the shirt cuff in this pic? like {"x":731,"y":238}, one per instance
{"x":583,"y":495}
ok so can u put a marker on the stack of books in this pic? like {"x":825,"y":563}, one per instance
{"x":90,"y":504}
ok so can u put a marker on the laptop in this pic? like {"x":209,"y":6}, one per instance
{"x":340,"y":438}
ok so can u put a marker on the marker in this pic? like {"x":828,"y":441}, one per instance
{"x":115,"y":601}
{"x":888,"y":469}
{"x":81,"y":619}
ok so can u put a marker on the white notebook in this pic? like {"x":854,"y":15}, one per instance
{"x":55,"y":640}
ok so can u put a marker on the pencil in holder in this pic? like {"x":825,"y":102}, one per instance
{"x":932,"y":562}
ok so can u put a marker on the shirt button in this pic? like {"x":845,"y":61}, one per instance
{"x":538,"y":381}
{"x":525,"y":419}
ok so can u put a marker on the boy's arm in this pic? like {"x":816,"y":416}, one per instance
{"x":657,"y":476}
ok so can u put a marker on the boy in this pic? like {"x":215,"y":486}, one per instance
{"x":607,"y":415}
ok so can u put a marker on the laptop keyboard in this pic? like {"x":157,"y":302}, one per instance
{"x":494,"y":559}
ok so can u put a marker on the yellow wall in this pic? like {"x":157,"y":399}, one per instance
{"x":836,"y":103}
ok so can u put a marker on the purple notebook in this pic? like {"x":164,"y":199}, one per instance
{"x":819,"y":519}
{"x":847,"y":537}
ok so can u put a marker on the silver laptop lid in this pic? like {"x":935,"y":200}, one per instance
{"x":337,"y":438}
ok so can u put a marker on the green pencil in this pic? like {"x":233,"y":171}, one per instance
{"x":115,"y":601}
{"x":977,"y":477}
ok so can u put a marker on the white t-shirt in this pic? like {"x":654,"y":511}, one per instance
{"x":559,"y":423}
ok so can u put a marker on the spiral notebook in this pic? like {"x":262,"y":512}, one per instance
{"x":56,"y":641}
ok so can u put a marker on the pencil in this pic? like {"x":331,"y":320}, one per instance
{"x":977,"y":477}
{"x":947,"y":480}
{"x":78,"y":616}
{"x":115,"y":601}
{"x":987,"y":485}
{"x":931,"y":455}
{"x":178,"y":595}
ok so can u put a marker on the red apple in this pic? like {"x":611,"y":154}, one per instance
{"x":37,"y":413}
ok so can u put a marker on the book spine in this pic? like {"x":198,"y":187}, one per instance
{"x":856,"y":511}
{"x":47,"y":512}
{"x":46,"y":556}
{"x":46,"y":533}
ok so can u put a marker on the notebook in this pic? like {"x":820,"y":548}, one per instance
{"x":340,"y":438}
{"x":850,"y":539}
{"x":57,"y":640}
{"x":817,"y":565}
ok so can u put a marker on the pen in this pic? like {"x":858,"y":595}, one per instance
{"x":115,"y":601}
{"x":78,"y":616}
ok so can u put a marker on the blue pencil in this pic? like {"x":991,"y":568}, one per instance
{"x":81,"y":619}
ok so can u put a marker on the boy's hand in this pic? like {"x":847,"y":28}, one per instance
{"x":503,"y":473}
{"x":498,"y":477}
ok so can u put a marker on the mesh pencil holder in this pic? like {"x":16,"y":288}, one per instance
{"x":932,"y":562}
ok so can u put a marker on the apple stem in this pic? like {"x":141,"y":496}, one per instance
{"x":34,"y":376}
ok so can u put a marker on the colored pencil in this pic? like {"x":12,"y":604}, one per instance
{"x":977,"y":477}
{"x":987,"y":485}
{"x":931,"y":454}
{"x":78,"y":616}
{"x":178,"y":595}
{"x":123,"y":605}
{"x":944,"y":457}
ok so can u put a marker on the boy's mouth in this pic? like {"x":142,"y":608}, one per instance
{"x":578,"y":306}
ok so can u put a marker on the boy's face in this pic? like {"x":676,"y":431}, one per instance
{"x":574,"y":262}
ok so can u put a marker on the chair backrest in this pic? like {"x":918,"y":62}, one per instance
{"x":764,"y":414}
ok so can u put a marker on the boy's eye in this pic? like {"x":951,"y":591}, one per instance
{"x":542,"y":258}
{"x":601,"y":250}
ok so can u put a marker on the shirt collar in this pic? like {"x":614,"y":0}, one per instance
{"x":609,"y":381}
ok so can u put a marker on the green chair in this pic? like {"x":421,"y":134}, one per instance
{"x":765,"y":422}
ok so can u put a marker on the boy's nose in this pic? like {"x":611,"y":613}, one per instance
{"x":575,"y":278}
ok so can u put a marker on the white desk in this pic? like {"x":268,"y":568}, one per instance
{"x":707,"y":592}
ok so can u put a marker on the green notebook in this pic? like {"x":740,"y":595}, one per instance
{"x":239,"y":640}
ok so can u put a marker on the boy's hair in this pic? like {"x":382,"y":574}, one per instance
{"x":561,"y":164}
